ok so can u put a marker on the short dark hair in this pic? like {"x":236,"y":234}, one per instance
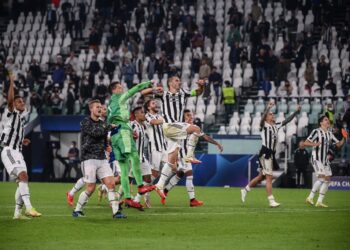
{"x":321,"y":119}
{"x":113,"y":85}
{"x":147,"y":103}
{"x":137,"y":109}
{"x":90,"y":103}
{"x":17,"y":97}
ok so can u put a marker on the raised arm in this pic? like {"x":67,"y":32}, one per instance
{"x":290,"y":118}
{"x":263,"y":118}
{"x":200,"y":89}
{"x":212,"y":141}
{"x":11,"y":95}
{"x":134,"y":90}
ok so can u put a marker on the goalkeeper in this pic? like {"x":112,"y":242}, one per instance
{"x":123,"y":143}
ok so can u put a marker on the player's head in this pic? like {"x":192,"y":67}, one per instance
{"x":324,"y":122}
{"x":95,"y":108}
{"x":270,"y":118}
{"x":151,"y":105}
{"x":103,"y":110}
{"x":19,"y":103}
{"x":174,"y":82}
{"x":139,"y":114}
{"x":188,"y":116}
{"x":116,"y":88}
{"x":301,"y":144}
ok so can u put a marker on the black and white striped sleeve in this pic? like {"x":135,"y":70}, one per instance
{"x":313,"y":136}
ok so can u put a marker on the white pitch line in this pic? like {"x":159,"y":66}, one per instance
{"x":209,"y":213}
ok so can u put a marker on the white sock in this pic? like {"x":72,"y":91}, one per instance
{"x":247,"y":188}
{"x":190,"y":187}
{"x":104,"y":188}
{"x":19,"y":203}
{"x":113,"y":201}
{"x":271,"y":198}
{"x":83,"y":199}
{"x":120,"y":193}
{"x":24,"y":191}
{"x":315,"y":188}
{"x":138,"y":197}
{"x":172,"y":182}
{"x":323,"y":191}
{"x":77,"y":187}
{"x":191,"y":144}
{"x":165,"y":174}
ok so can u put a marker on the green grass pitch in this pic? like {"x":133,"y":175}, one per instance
{"x":222,"y":223}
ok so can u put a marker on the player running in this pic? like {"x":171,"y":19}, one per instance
{"x":269,"y":135}
{"x":11,"y":141}
{"x":320,"y":139}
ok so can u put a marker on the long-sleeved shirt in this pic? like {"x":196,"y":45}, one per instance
{"x":93,"y":139}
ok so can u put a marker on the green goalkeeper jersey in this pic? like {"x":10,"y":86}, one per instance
{"x":118,"y":108}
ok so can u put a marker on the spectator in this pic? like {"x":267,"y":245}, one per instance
{"x":168,"y":47}
{"x":51,"y":20}
{"x":94,"y":66}
{"x":234,"y":36}
{"x":94,"y":40}
{"x":58,"y":75}
{"x":86,"y":89}
{"x":197,"y":40}
{"x":264,"y":27}
{"x":292,"y":25}
{"x":261,"y":65}
{"x":108,"y":68}
{"x":285,"y":90}
{"x":71,"y":97}
{"x":301,"y":162}
{"x":36,"y":102}
{"x":308,"y":42}
{"x":322,"y":71}
{"x":152,"y":66}
{"x":68,"y":17}
{"x":163,"y":65}
{"x":346,"y":81}
{"x":256,"y":11}
{"x":185,"y":40}
{"x":139,"y":15}
{"x":309,"y":72}
{"x":236,"y":17}
{"x":35,"y":70}
{"x":78,"y":24}
{"x":228,"y":98}
{"x":215,"y":79}
{"x":266,"y":86}
{"x":114,"y":56}
{"x":101,"y":90}
{"x":73,"y":160}
{"x":234,"y":56}
{"x":210,"y":30}
{"x":128,"y":71}
{"x":331,"y":86}
{"x":250,"y":24}
{"x":281,"y":25}
{"x":300,"y":55}
{"x":329,"y":112}
{"x":56,"y":100}
{"x":204,"y":70}
{"x":72,"y":60}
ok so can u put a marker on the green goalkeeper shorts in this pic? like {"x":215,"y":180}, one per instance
{"x":123,"y":143}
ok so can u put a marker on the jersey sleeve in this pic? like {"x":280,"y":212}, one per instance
{"x":279,"y":125}
{"x":134,"y":90}
{"x":334,"y":139}
{"x":313,"y":136}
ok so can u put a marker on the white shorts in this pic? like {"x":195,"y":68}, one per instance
{"x":13,"y":161}
{"x":156,"y":159}
{"x":266,"y":165}
{"x":321,"y":169}
{"x":184,"y":166}
{"x":94,"y":168}
{"x":115,"y":168}
{"x":174,"y":133}
{"x":145,"y":169}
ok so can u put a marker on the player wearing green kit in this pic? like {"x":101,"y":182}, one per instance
{"x":123,"y":143}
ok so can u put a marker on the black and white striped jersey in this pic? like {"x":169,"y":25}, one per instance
{"x":326,"y":138}
{"x":141,"y":137}
{"x":173,"y":105}
{"x":183,"y":149}
{"x":155,"y":133}
{"x":13,"y":129}
{"x":269,"y":135}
